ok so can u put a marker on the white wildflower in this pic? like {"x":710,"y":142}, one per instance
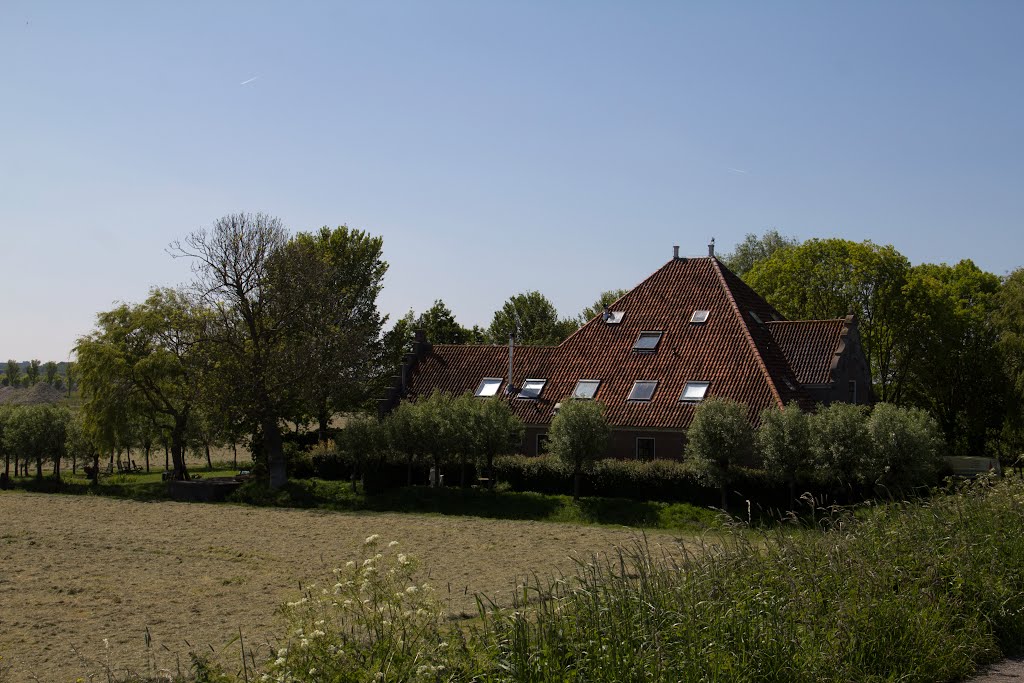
{"x":371,"y":539}
{"x":392,"y":544}
{"x":403,"y":559}
{"x":350,"y":563}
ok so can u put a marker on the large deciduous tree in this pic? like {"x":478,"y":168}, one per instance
{"x":753,"y":249}
{"x":1009,"y":326}
{"x":718,"y":438}
{"x":147,"y":357}
{"x":13,"y":373}
{"x":829,"y":278}
{"x":534,"y":320}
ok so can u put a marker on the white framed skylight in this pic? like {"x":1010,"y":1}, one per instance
{"x":694,"y":392}
{"x":647,"y":341}
{"x":586,"y":388}
{"x":613,"y":317}
{"x":488,"y":387}
{"x":699,"y":317}
{"x":642,"y":390}
{"x":532,"y":388}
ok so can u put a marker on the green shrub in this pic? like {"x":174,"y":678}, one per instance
{"x":904,"y":449}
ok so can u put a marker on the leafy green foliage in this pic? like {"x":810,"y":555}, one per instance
{"x":534,"y":320}
{"x":578,"y":436}
{"x":753,"y":250}
{"x":905,"y":447}
{"x":719,"y":437}
{"x":839,"y":442}
{"x":784,"y":444}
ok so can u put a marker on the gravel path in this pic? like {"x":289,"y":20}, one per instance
{"x":1008,"y":671}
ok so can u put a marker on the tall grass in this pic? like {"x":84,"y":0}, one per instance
{"x":909,"y":592}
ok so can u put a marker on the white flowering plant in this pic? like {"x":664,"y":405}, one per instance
{"x":372,"y":621}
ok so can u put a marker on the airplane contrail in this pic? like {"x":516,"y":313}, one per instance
{"x":249,"y":81}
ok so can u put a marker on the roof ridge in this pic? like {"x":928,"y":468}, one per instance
{"x":717,"y":267}
{"x":805,"y":322}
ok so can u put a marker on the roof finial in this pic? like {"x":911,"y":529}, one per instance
{"x":711,"y":248}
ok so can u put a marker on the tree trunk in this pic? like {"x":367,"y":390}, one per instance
{"x":167,"y":457}
{"x":148,"y":448}
{"x":234,"y":451}
{"x":576,"y":485}
{"x":725,"y":498}
{"x":408,"y":470}
{"x":96,"y":468}
{"x":178,"y":449}
{"x":7,"y":465}
{"x":39,"y":468}
{"x":275,"y":453}
{"x":324,"y":420}
{"x":56,"y":469}
{"x":490,"y":471}
{"x":209,"y":463}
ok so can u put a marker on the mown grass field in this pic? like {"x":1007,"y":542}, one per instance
{"x":76,"y":570}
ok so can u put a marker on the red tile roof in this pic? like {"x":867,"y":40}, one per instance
{"x":810,"y":346}
{"x":741,"y":358}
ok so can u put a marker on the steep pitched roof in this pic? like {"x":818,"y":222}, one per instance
{"x":734,"y":350}
{"x":810,"y":346}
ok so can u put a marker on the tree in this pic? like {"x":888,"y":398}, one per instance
{"x":78,"y":445}
{"x":957,"y":376}
{"x":1008,"y":318}
{"x":38,"y":432}
{"x":753,"y":250}
{"x":407,"y":433}
{"x":5,"y":418}
{"x":32,"y":371}
{"x":50,"y":370}
{"x":496,"y":431}
{"x":606,"y":299}
{"x":578,"y":436}
{"x":13,"y":373}
{"x":145,"y":355}
{"x":833,"y":277}
{"x":905,"y":445}
{"x":441,"y":327}
{"x":719,"y":437}
{"x":330,"y":281}
{"x":784,"y":443}
{"x":839,"y":442}
{"x":534,"y":320}
{"x":361,"y":441}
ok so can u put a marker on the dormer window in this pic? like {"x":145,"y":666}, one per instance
{"x":586,"y":388}
{"x":642,"y":391}
{"x":613,"y":317}
{"x":694,"y":392}
{"x":647,"y":341}
{"x":532,"y":388}
{"x":699,"y":317}
{"x":488,"y":387}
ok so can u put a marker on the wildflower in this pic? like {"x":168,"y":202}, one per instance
{"x":411,"y":589}
{"x":279,"y":661}
{"x":318,"y":633}
{"x":304,"y":643}
{"x":106,"y":643}
{"x":312,"y":671}
{"x":392,"y":544}
{"x":350,"y":563}
{"x":403,"y":559}
{"x":371,"y":539}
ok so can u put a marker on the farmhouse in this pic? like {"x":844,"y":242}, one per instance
{"x":690,"y":331}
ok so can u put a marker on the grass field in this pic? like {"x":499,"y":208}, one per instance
{"x":76,"y":570}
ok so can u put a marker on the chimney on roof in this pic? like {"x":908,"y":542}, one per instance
{"x":675,"y":253}
{"x":711,"y":248}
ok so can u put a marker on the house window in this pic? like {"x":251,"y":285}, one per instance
{"x":488,"y":387}
{"x":586,"y":388}
{"x":613,"y":317}
{"x":644,"y":448}
{"x":642,"y":391}
{"x":532,"y":388}
{"x":694,"y":391}
{"x":699,"y":317}
{"x":647,"y":341}
{"x":542,"y":444}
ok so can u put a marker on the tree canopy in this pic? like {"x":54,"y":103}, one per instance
{"x":534,"y":320}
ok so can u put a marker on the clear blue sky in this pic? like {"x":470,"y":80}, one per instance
{"x":496,"y":146}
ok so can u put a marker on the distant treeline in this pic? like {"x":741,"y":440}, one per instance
{"x":29,"y":372}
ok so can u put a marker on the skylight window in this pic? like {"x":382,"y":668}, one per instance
{"x":613,"y":317}
{"x":586,"y":388}
{"x":699,"y":317}
{"x":694,"y":391}
{"x":532,"y":388}
{"x":642,"y":391}
{"x":488,"y":387}
{"x":647,"y":341}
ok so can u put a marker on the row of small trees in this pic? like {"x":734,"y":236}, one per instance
{"x":889,"y":446}
{"x":41,"y":435}
{"x":35,"y":371}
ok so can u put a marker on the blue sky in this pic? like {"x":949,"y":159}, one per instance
{"x":496,"y":147}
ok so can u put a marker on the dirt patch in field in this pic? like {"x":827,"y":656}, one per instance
{"x":75,"y":570}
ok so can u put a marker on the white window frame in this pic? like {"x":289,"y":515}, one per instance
{"x":654,"y":447}
{"x":638,"y":382}
{"x":685,"y":399}
{"x":697,"y":318}
{"x":542,"y":382}
{"x":648,"y":334}
{"x":613,"y":317}
{"x":485,"y":381}
{"x":595,"y":382}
